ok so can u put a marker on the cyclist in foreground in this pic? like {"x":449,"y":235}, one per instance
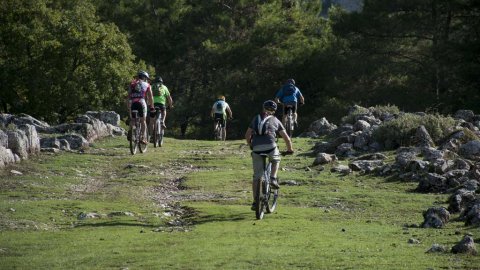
{"x":161,"y":96}
{"x":138,"y":91}
{"x":261,"y":137}
{"x":289,"y":94}
{"x":219,"y":113}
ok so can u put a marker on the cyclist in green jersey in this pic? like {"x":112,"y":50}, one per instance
{"x":161,"y":96}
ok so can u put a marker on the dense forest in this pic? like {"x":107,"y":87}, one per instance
{"x":59,"y":58}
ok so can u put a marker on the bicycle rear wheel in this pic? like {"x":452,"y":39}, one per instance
{"x":155,"y":134}
{"x":259,"y":204}
{"x":289,"y":124}
{"x":133,"y":140}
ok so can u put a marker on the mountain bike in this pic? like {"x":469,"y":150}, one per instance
{"x":135,"y":135}
{"x":218,"y":131}
{"x":266,"y":197}
{"x":158,"y":131}
{"x":289,"y":122}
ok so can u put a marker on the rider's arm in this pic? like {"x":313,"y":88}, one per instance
{"x":248,"y":135}
{"x":229,"y":111}
{"x":170,"y":101}
{"x":287,"y":140}
{"x":150,"y":97}
{"x":302,"y":100}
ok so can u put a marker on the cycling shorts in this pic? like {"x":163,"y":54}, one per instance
{"x":140,"y":106}
{"x":159,"y":105}
{"x":289,"y":106}
{"x":221,"y":118}
{"x":257,"y":161}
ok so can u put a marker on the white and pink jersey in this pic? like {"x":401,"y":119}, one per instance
{"x":138,"y":90}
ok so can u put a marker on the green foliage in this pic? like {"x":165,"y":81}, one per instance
{"x":60,"y":60}
{"x":402,"y":129}
{"x":354,"y":112}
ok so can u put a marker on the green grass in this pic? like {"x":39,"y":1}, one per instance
{"x":326,"y":222}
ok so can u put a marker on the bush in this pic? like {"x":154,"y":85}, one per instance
{"x":378,"y":111}
{"x":401,"y":130}
{"x":381,"y":110}
{"x":354,"y":112}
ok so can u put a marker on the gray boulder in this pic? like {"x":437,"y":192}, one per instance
{"x":75,"y":141}
{"x":18,"y":142}
{"x":5,"y":119}
{"x":432,"y":182}
{"x":6,"y":157}
{"x":108,"y":117}
{"x":361,"y":125}
{"x":458,"y":201}
{"x":33,"y":141}
{"x":341,"y":169}
{"x":465,"y":246}
{"x":345,"y":150}
{"x":23,"y":119}
{"x":435,"y":217}
{"x":3,"y":139}
{"x":466,"y":115}
{"x":324,"y":158}
{"x":322,"y":127}
{"x":470,"y":150}
{"x":472,"y":214}
{"x":405,"y":155}
{"x":366,"y":166}
{"x":422,"y":138}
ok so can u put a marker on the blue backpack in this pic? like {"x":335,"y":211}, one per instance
{"x":219,"y":106}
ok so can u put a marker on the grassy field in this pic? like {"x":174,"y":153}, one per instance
{"x":187,"y":206}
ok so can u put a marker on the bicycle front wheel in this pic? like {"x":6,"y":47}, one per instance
{"x":271,"y":195}
{"x":143,"y":147}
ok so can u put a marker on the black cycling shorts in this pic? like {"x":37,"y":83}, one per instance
{"x":221,"y":118}
{"x":159,"y":105}
{"x":289,"y":106}
{"x":139,"y":107}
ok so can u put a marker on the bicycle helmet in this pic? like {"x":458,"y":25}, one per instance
{"x":270,"y":105}
{"x":143,"y":74}
{"x":158,"y":79}
{"x":221,"y":97}
{"x":291,"y":81}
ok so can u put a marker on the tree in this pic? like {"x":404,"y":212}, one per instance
{"x":58,"y":59}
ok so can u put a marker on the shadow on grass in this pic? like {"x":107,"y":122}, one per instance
{"x":232,"y":217}
{"x":115,"y":224}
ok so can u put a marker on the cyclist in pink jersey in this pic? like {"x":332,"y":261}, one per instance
{"x":138,"y":91}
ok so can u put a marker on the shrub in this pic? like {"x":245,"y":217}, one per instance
{"x":401,"y":130}
{"x":380,"y":110}
{"x":353,"y":113}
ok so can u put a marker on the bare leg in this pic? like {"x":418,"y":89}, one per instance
{"x":273,"y":172}
{"x":164,"y":116}
{"x":143,"y":125}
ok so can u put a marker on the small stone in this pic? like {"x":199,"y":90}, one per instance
{"x":413,"y":241}
{"x":16,"y":172}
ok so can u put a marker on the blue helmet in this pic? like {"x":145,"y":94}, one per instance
{"x":291,"y":81}
{"x":270,"y":105}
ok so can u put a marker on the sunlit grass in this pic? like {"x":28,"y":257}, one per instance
{"x":327,"y":221}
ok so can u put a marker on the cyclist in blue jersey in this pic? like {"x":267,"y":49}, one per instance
{"x":289,"y":94}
